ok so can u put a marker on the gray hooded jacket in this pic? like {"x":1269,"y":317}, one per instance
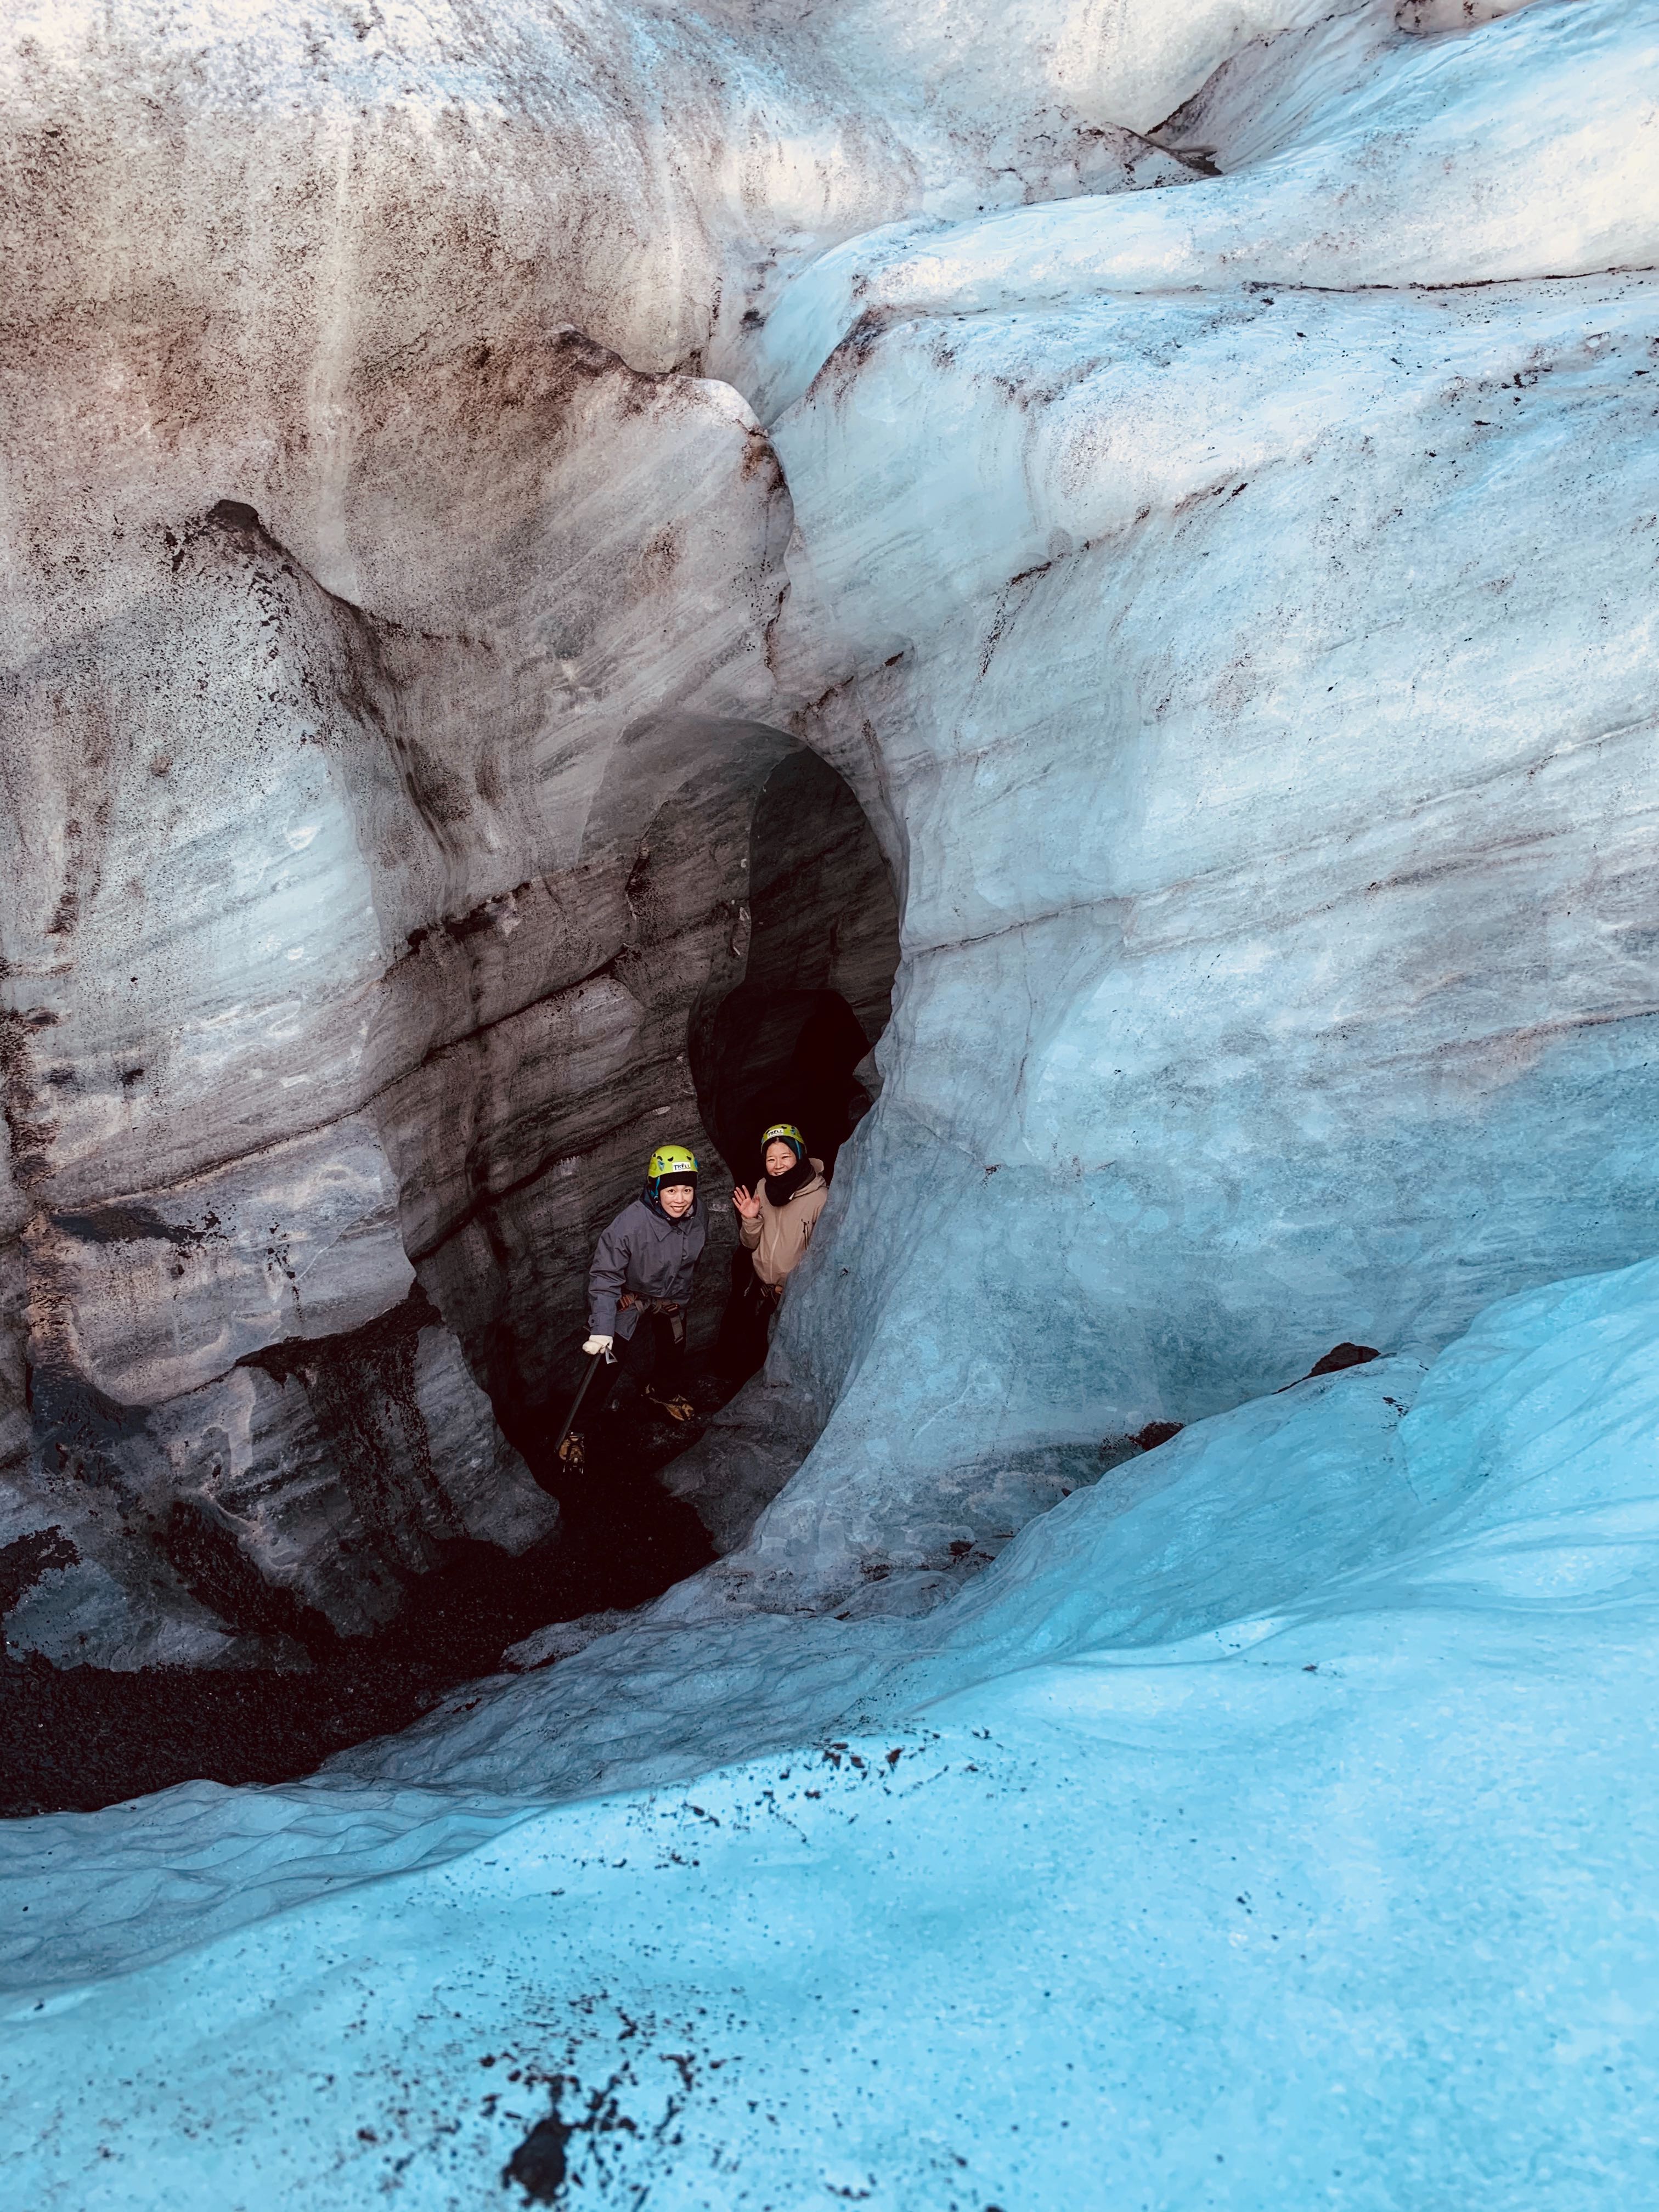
{"x":645,"y":1252}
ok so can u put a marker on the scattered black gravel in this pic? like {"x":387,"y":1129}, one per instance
{"x":76,"y":1738}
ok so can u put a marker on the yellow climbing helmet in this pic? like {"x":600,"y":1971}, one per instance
{"x":670,"y":1160}
{"x":790,"y":1135}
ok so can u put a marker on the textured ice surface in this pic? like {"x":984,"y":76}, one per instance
{"x":362,"y":369}
{"x":1365,"y":158}
{"x":1232,"y":605}
{"x":1239,"y":642}
{"x":1227,"y":592}
{"x":1272,"y":1824}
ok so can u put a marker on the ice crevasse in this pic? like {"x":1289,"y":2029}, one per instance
{"x":1272,"y":1823}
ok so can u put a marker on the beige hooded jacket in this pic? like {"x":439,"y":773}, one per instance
{"x":778,"y":1235}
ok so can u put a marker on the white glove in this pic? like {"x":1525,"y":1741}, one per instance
{"x":597,"y":1344}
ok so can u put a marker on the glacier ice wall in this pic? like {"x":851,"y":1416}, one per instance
{"x":1186,"y":467}
{"x":389,"y":588}
{"x":1235,"y":605}
{"x":389,"y":592}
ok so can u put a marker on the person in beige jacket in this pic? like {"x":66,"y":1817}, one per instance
{"x":776,"y":1218}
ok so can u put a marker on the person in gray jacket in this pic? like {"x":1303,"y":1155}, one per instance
{"x":640,"y":1283}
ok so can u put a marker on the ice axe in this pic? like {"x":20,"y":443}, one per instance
{"x":599,"y":1359}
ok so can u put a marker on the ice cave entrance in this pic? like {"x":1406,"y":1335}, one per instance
{"x":793,"y":1040}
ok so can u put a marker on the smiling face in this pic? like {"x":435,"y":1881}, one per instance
{"x":678,"y":1200}
{"x":779,"y":1158}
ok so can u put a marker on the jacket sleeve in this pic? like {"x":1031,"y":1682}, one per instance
{"x":748,"y":1232}
{"x":605,"y":1279}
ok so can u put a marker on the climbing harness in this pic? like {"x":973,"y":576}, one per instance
{"x":673,"y":1313}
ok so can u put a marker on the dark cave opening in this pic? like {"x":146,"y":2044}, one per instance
{"x":790,"y":1041}
{"x":793,"y":1040}
{"x":793,"y":981}
{"x":783,"y":1055}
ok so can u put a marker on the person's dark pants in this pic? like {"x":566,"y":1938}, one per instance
{"x":650,"y":1356}
{"x":746,"y":1324}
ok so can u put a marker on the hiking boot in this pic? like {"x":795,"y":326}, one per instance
{"x":676,"y":1407}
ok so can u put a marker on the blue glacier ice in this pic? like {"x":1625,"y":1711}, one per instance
{"x":1272,"y":1823}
